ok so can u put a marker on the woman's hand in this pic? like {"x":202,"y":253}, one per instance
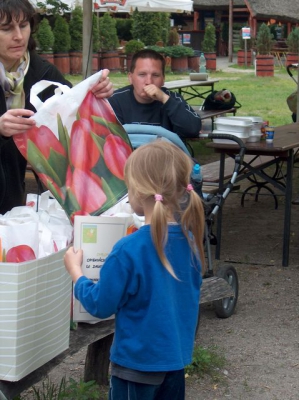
{"x":104,"y":88}
{"x":13,"y":122}
{"x":73,"y":261}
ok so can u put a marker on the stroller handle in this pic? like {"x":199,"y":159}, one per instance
{"x":290,"y":67}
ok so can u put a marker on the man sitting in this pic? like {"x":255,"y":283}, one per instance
{"x":146,"y":101}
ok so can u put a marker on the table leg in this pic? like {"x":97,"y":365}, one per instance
{"x":287,"y":209}
{"x":219,"y":216}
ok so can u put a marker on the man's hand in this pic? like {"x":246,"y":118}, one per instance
{"x":13,"y":122}
{"x":155,"y":93}
{"x":104,"y":88}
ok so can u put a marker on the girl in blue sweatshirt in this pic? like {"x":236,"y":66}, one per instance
{"x":151,"y":280}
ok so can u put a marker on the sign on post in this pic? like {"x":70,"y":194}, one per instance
{"x":245,"y":36}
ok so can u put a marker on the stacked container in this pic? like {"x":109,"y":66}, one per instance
{"x":246,"y":128}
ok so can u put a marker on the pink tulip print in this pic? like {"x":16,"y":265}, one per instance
{"x":20,"y":253}
{"x":82,"y":168}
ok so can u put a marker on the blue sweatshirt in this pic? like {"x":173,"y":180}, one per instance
{"x":155,"y":314}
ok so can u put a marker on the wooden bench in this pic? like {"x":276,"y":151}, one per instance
{"x":210,"y":172}
{"x":212,"y":114}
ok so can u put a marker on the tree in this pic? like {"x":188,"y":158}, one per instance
{"x":53,"y":6}
{"x":264,"y":40}
{"x":45,"y":36}
{"x":107,"y":33}
{"x":76,"y":29}
{"x":209,"y":40}
{"x":62,"y":36}
{"x":146,"y":27}
{"x":165,"y":27}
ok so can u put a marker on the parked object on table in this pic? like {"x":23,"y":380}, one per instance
{"x":256,"y":128}
{"x":198,"y":76}
{"x":202,"y":63}
{"x":270,"y":134}
{"x":220,"y":100}
{"x":230,"y":125}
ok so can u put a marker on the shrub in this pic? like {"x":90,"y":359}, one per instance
{"x":264,"y":40}
{"x":62,"y":42}
{"x":107,"y":33}
{"x":173,"y":37}
{"x":76,"y":29}
{"x":209,"y":40}
{"x":293,"y":41}
{"x":123,"y":28}
{"x":133,"y":46}
{"x":45,"y":36}
{"x":178,"y":51}
{"x":146,"y":27}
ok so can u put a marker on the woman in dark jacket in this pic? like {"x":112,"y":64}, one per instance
{"x":20,"y":69}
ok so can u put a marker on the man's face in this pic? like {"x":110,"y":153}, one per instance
{"x":147,"y":72}
{"x":14,"y":39}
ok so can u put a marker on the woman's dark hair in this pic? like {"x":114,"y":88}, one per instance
{"x":20,"y":10}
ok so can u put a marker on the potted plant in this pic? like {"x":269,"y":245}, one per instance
{"x":62,"y":44}
{"x":264,"y":58}
{"x":179,"y":57}
{"x":76,"y":32}
{"x":209,"y":46}
{"x":131,"y":47}
{"x":293,"y":47}
{"x":45,"y":40}
{"x":244,"y":56}
{"x":109,"y":43}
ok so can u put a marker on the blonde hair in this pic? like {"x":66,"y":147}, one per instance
{"x":162,"y":168}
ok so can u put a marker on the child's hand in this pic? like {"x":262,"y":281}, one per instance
{"x":73,"y":261}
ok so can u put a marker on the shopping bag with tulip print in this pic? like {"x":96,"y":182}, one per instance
{"x":78,"y":148}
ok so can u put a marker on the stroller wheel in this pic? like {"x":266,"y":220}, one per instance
{"x":224,"y":308}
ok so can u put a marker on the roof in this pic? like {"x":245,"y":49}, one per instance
{"x":275,"y":9}
{"x":216,"y":4}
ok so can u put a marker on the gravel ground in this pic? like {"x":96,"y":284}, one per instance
{"x":260,"y":341}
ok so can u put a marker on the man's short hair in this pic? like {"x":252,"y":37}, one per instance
{"x":147,"y":53}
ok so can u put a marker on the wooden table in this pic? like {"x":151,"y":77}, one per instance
{"x":286,"y":142}
{"x":194,"y":87}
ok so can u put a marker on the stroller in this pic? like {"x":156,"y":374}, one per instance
{"x":222,"y":287}
{"x":292,"y":98}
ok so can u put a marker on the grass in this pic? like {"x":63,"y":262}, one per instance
{"x":206,"y":362}
{"x":262,"y":97}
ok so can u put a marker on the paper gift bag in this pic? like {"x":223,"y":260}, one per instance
{"x":35,"y":301}
{"x":78,"y":148}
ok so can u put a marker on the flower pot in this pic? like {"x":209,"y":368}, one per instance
{"x":210,"y":61}
{"x":62,"y":62}
{"x":75,"y":62}
{"x":242,"y":55}
{"x":264,"y":65}
{"x":47,"y":56}
{"x":292,"y":58}
{"x":193,"y":63}
{"x":179,"y":64}
{"x":110,"y":60}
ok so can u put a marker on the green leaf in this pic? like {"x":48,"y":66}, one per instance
{"x":60,"y":164}
{"x":40,"y":163}
{"x":63,"y":134}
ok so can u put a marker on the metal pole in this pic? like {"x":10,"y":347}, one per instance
{"x":297,"y":114}
{"x":87,"y":39}
{"x":230,"y":31}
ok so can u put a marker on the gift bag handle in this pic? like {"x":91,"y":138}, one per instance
{"x":42,"y":85}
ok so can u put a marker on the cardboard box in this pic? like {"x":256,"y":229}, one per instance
{"x":35,"y":301}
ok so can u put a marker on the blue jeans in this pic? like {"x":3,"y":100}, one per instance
{"x":172,"y":388}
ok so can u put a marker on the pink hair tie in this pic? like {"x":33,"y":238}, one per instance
{"x":158,"y":197}
{"x":189,"y":187}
